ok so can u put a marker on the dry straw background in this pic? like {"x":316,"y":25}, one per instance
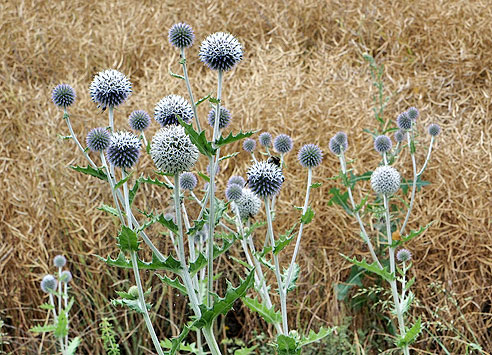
{"x":303,"y":74}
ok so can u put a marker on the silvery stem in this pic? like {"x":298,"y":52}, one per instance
{"x":281,"y":167}
{"x":65,"y":302}
{"x":74,"y":137}
{"x":428,"y":157}
{"x":111,"y":184}
{"x":188,"y":87}
{"x":299,"y":235}
{"x":414,"y":185}
{"x":283,"y":301}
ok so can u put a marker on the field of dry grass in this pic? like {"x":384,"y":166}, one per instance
{"x":303,"y":74}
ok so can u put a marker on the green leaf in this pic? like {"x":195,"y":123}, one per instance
{"x":284,"y":240}
{"x":109,"y":209}
{"x":168,"y":344}
{"x":61,"y":325}
{"x":127,"y":239}
{"x":224,"y":305}
{"x":412,"y":235}
{"x":353,"y":179}
{"x":47,"y":306}
{"x":407,"y":302}
{"x":202,"y":100}
{"x":72,"y":347}
{"x":170,"y":264}
{"x":339,"y":199}
{"x":240,"y":262}
{"x":308,"y":216}
{"x":198,"y":264}
{"x":99,"y":172}
{"x":246,"y":351}
{"x":177,"y":76}
{"x":198,"y":139}
{"x":315,"y":337}
{"x":268,"y":314}
{"x":228,"y":156}
{"x":316,"y":185}
{"x":213,"y":100}
{"x":294,"y":277}
{"x":374,"y":268}
{"x":173,"y":283}
{"x":177,"y":342}
{"x":287,"y":345}
{"x":354,"y":279}
{"x":122,"y":181}
{"x":203,"y":176}
{"x":133,"y":191}
{"x":407,"y":184}
{"x":232,"y":138}
{"x":43,"y":328}
{"x":409,"y":283}
{"x":197,"y":226}
{"x":411,"y":334}
{"x":132,"y":304}
{"x":155,"y":182}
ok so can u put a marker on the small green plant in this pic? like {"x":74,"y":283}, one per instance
{"x":108,"y":337}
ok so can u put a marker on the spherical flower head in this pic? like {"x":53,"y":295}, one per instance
{"x":187,"y":181}
{"x":238,"y":180}
{"x":98,"y":139}
{"x":48,"y":284}
{"x":124,"y":150}
{"x":399,"y":136}
{"x":382,"y":144}
{"x":404,"y":122}
{"x":172,"y":150}
{"x":234,"y":192}
{"x":335,"y":146}
{"x":221,"y":51}
{"x":59,"y":261}
{"x":265,"y":139}
{"x":403,"y":255}
{"x":434,"y":129}
{"x":224,"y":117}
{"x":66,"y":276}
{"x":283,"y":144}
{"x":181,"y":35}
{"x":249,"y":145}
{"x":413,"y":113}
{"x":63,"y":95}
{"x":341,"y":138}
{"x":133,"y":291}
{"x":167,"y":110}
{"x":265,"y":179}
{"x":139,"y":120}
{"x":110,"y":88}
{"x":310,"y":156}
{"x":385,"y":180}
{"x":248,"y":205}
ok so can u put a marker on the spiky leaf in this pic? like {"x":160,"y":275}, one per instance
{"x":233,"y":138}
{"x":268,"y":314}
{"x":374,"y":268}
{"x":411,"y":334}
{"x":173,"y":283}
{"x":109,"y":209}
{"x":122,"y":181}
{"x":127,"y":239}
{"x":72,"y":347}
{"x":308,"y":216}
{"x":170,"y":264}
{"x":89,"y":170}
{"x":314,"y":337}
{"x":198,"y":139}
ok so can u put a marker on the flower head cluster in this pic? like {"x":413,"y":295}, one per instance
{"x":413,"y":113}
{"x":124,"y":150}
{"x":187,"y":181}
{"x":238,"y":180}
{"x":249,"y":145}
{"x":110,"y":88}
{"x":385,"y":180}
{"x":167,"y":111}
{"x":224,"y":117}
{"x":63,"y":95}
{"x":399,"y":136}
{"x":172,"y":150}
{"x":283,"y":143}
{"x":181,"y":35}
{"x":338,"y":143}
{"x":310,"y":156}
{"x":265,"y":179}
{"x":382,"y":144}
{"x":265,"y":139}
{"x":48,"y":284}
{"x":403,"y":121}
{"x":403,"y":255}
{"x":59,"y":261}
{"x":234,"y":192}
{"x":221,"y":51}
{"x":98,"y":139}
{"x":434,"y":129}
{"x":139,"y":120}
{"x":248,"y":204}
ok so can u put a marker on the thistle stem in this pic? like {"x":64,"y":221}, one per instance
{"x":188,"y":87}
{"x":66,"y":116}
{"x":111,"y":184}
{"x":414,"y":183}
{"x":427,"y":158}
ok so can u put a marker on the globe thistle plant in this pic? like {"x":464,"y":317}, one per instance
{"x":139,"y":120}
{"x":385,"y":180}
{"x":221,"y":51}
{"x":48,"y":284}
{"x":63,"y":95}
{"x":238,"y":180}
{"x":248,"y":204}
{"x":172,"y":150}
{"x":234,"y":192}
{"x":283,"y":144}
{"x":124,"y":150}
{"x":341,"y":138}
{"x":59,"y":261}
{"x":187,"y":181}
{"x":110,"y":88}
{"x":382,"y":144}
{"x":265,"y":179}
{"x":98,"y":139}
{"x":337,"y":145}
{"x":265,"y":139}
{"x":434,"y":129}
{"x":249,"y":145}
{"x":403,"y":255}
{"x":310,"y":156}
{"x":413,"y":113}
{"x":66,"y":276}
{"x":399,"y":136}
{"x":169,"y":108}
{"x":224,"y":117}
{"x":181,"y":35}
{"x":404,"y":122}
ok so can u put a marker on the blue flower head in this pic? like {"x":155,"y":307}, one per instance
{"x":63,"y":95}
{"x":265,"y":179}
{"x":283,"y":143}
{"x":181,"y":35}
{"x":139,"y":120}
{"x":110,"y":88}
{"x":124,"y":150}
{"x":169,"y":108}
{"x":221,"y":51}
{"x":224,"y":117}
{"x":310,"y":156}
{"x":98,"y":139}
{"x":382,"y":144}
{"x":187,"y":181}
